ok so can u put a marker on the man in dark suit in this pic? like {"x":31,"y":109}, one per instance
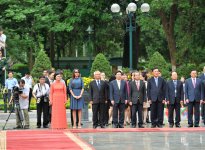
{"x":118,"y":97}
{"x":194,"y":95}
{"x":202,"y":77}
{"x":98,"y":96}
{"x":174,"y":98}
{"x":137,"y":98}
{"x":156,"y":89}
{"x":107,"y":104}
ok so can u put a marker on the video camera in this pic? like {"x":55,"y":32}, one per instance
{"x":15,"y":93}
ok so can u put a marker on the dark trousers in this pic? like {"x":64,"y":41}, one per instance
{"x":106,"y":116}
{"x":7,"y":98}
{"x":193,"y":105}
{"x":176,"y":106}
{"x":203,"y":112}
{"x":157,"y":113}
{"x":98,"y":113}
{"x":121,"y":108}
{"x":42,"y":107}
{"x":30,"y":95}
{"x":137,"y":108}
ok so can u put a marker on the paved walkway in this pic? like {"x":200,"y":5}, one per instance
{"x":116,"y":139}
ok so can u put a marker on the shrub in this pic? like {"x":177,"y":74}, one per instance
{"x":42,"y":63}
{"x":157,"y":60}
{"x":102,"y":64}
{"x":185,"y":70}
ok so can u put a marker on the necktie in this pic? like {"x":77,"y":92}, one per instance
{"x":194,"y":82}
{"x":138,"y":85}
{"x":156,"y":81}
{"x":98,"y":84}
{"x":175,"y":87}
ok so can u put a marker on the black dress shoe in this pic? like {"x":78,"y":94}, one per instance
{"x":141,"y":126}
{"x":196,"y":125}
{"x":159,"y":125}
{"x":17,"y":127}
{"x":94,"y":127}
{"x":26,"y":127}
{"x":171,"y":125}
{"x":121,"y":126}
{"x":153,"y":126}
{"x":38,"y":126}
{"x":178,"y":126}
{"x":133,"y":126}
{"x":190,"y":125}
{"x":46,"y":126}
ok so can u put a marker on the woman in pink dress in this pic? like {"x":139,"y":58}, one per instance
{"x":58,"y":98}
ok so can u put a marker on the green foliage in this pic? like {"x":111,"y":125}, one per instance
{"x":19,"y":66}
{"x":185,"y":70}
{"x":67,"y":74}
{"x":28,"y":25}
{"x":157,"y":60}
{"x":42,"y":63}
{"x":126,"y":70}
{"x":102,"y":64}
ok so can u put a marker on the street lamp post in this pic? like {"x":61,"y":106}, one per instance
{"x":90,"y":31}
{"x":131,"y":9}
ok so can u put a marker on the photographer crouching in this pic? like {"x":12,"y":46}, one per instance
{"x":21,"y":100}
{"x":41,"y":93}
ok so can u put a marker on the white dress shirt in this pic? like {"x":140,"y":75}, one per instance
{"x":118,"y":83}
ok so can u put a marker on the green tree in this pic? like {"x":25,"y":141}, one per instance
{"x":42,"y":63}
{"x":102,"y":64}
{"x":157,"y":60}
{"x":185,"y":70}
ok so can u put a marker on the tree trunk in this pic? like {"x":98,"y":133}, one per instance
{"x":52,"y":48}
{"x":168,"y":27}
{"x":30,"y":59}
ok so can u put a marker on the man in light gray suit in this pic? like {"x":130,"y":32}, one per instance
{"x":194,"y":96}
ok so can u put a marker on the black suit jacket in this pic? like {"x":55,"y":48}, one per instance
{"x":170,"y":92}
{"x":98,"y":95}
{"x":116,"y":94}
{"x":137,"y":95}
{"x":202,"y":77}
{"x":156,"y":92}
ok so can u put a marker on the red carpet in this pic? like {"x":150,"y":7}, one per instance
{"x":44,"y":140}
{"x":67,"y":139}
{"x":90,"y":130}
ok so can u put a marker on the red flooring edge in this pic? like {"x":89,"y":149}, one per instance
{"x":90,"y":130}
{"x":44,"y":139}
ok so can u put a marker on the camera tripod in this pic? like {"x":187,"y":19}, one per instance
{"x":20,"y":115}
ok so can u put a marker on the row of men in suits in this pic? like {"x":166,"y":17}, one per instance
{"x":158,"y":92}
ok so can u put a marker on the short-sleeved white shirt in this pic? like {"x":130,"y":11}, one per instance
{"x":41,"y":90}
{"x":24,"y":102}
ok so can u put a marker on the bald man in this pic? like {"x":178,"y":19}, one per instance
{"x":174,"y":98}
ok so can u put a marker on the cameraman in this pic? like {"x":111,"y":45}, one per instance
{"x":40,"y":93}
{"x":24,"y":102}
